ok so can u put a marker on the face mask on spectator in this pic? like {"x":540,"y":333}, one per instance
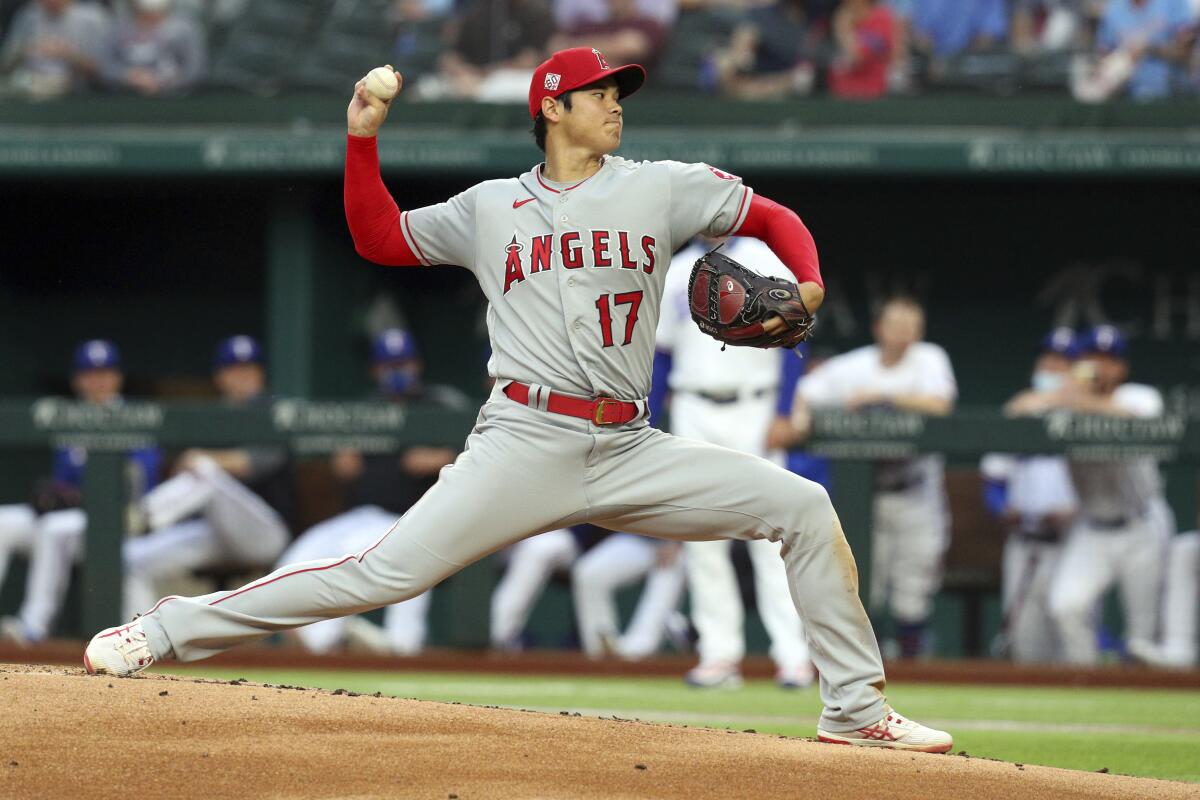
{"x":397,"y":381}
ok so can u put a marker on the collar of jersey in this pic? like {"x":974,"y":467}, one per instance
{"x":537,"y":173}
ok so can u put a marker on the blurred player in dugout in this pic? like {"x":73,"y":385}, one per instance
{"x":378,"y":489}
{"x":50,"y":529}
{"x":224,"y":509}
{"x":728,"y":397}
{"x":1034,"y":499}
{"x":911,"y":519}
{"x":1121,"y":534}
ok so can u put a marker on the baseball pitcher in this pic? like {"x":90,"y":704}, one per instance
{"x":572,"y":256}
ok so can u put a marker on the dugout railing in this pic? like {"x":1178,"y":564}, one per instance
{"x":311,"y":428}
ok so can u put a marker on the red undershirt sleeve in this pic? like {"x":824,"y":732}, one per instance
{"x":782,"y":231}
{"x":371,"y":213}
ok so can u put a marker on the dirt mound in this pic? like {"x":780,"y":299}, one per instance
{"x":67,"y":734}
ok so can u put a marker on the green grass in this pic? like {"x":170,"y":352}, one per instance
{"x":1148,"y":732}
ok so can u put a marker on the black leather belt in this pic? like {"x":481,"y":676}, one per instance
{"x":724,"y":398}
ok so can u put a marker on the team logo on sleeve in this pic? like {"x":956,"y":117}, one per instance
{"x":553,"y":79}
{"x":725,"y":176}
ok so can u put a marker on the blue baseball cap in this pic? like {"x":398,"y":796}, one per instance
{"x":1105,"y":339}
{"x":240,"y":349}
{"x":393,"y":344}
{"x":96,"y":354}
{"x":1061,"y":341}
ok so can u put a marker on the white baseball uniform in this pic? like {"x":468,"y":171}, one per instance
{"x":573,"y":275}
{"x":18,"y":525}
{"x":616,"y":562}
{"x":531,"y":563}
{"x":1120,"y":538}
{"x":911,"y":520}
{"x":1181,"y":597}
{"x":728,"y":398}
{"x":1037,"y":486}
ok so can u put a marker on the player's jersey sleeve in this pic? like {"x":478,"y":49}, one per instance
{"x":937,"y":376}
{"x":705,"y":200}
{"x":1139,"y":400}
{"x":444,"y":233}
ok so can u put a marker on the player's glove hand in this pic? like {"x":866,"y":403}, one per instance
{"x":736,"y":305}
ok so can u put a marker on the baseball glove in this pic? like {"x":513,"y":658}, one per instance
{"x":731,"y":304}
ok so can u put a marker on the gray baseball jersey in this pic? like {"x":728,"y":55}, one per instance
{"x":574,"y":278}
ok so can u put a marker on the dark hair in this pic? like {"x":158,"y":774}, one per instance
{"x":539,"y":123}
{"x":900,"y":300}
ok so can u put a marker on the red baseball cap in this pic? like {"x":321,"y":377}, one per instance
{"x":568,"y":70}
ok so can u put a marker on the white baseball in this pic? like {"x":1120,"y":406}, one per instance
{"x":382,"y":83}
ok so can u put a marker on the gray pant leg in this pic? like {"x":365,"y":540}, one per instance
{"x":652,"y":483}
{"x":520,"y":474}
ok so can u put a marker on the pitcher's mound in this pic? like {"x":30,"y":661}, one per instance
{"x":67,"y":734}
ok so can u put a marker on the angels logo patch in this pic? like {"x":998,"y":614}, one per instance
{"x":552,"y":81}
{"x":600,"y":58}
{"x":725,"y":176}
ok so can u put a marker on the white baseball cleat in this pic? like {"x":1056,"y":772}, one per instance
{"x":714,"y":675}
{"x":120,"y":651}
{"x":893,"y":732}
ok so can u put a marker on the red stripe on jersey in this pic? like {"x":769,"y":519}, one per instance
{"x":738,"y":215}
{"x":413,"y":239}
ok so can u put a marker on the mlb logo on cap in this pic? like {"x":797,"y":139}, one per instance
{"x":238,"y":350}
{"x":96,"y":354}
{"x":1061,"y":341}
{"x":393,"y":344}
{"x":568,"y":70}
{"x":1105,"y":339}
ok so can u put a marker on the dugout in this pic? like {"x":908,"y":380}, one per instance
{"x":1004,"y":216}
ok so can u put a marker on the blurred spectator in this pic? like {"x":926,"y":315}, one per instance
{"x":771,"y":54}
{"x":1143,"y":48}
{"x":626,"y":36}
{"x":53,"y":47}
{"x":418,"y":10}
{"x":492,"y":50}
{"x":569,"y":14}
{"x":1045,"y":26}
{"x":945,"y":28}
{"x":865,"y":34}
{"x":154,"y":50}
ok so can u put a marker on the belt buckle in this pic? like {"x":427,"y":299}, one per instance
{"x":598,"y":414}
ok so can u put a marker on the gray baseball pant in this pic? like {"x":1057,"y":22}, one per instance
{"x":526,"y":471}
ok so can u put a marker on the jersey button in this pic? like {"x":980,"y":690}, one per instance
{"x":578,"y":324}
{"x":563,"y":218}
{"x":570,"y":281}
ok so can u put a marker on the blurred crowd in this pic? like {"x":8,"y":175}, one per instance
{"x":487,"y":49}
{"x":1074,"y":528}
